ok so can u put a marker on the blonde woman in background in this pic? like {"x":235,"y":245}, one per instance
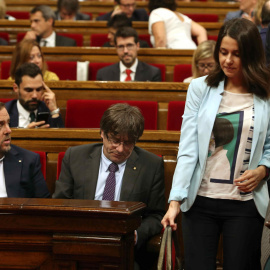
{"x":29,"y":51}
{"x":203,"y":60}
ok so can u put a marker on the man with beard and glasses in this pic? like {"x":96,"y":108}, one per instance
{"x":129,"y":68}
{"x":34,"y":98}
{"x":20,"y":169}
{"x":117,"y":170}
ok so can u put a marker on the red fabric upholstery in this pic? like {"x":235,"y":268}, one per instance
{"x":5,"y":68}
{"x":4,"y":100}
{"x":77,"y":37}
{"x":97,"y":40}
{"x":93,"y":69}
{"x":146,"y":37}
{"x":87,"y":113}
{"x":175,"y":112}
{"x":43,"y":161}
{"x":59,"y":163}
{"x":213,"y":37}
{"x":4,"y":36}
{"x":19,"y":15}
{"x":162,"y":68}
{"x":181,"y":72}
{"x":90,"y":14}
{"x":65,"y":70}
{"x":203,"y":17}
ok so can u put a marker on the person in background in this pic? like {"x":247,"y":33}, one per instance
{"x":128,"y":7}
{"x":203,"y":60}
{"x":29,"y":51}
{"x":129,"y":68}
{"x":218,"y":197}
{"x":117,"y":170}
{"x":171,"y":29}
{"x":42,"y":22}
{"x":34,"y":98}
{"x":3,"y":9}
{"x":116,"y":22}
{"x":69,"y":10}
{"x":265,"y":20}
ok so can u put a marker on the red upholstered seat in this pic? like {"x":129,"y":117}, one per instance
{"x":4,"y":36}
{"x":213,"y":37}
{"x":59,"y":164}
{"x":4,"y":100}
{"x":76,"y":36}
{"x":162,"y":68}
{"x":146,"y":37}
{"x":175,"y":112}
{"x":93,"y":69}
{"x":97,"y":40}
{"x":87,"y":113}
{"x":19,"y":15}
{"x":5,"y":68}
{"x":43,"y":161}
{"x":65,"y":70}
{"x":181,"y":72}
{"x":203,"y":17}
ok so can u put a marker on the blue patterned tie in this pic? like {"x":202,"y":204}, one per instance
{"x":109,"y":190}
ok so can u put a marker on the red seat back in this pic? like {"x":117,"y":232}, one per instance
{"x":87,"y":113}
{"x":181,"y":72}
{"x":5,"y":68}
{"x":43,"y":162}
{"x":97,"y":40}
{"x":65,"y":70}
{"x":4,"y":36}
{"x":146,"y":37}
{"x":93,"y":69}
{"x":175,"y":112}
{"x":76,"y":36}
{"x":203,"y":17}
{"x":4,"y":100}
{"x":19,"y":15}
{"x":59,"y":164}
{"x":162,"y":68}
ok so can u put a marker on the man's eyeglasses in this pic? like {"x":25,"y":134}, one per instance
{"x":128,"y":46}
{"x":116,"y":143}
{"x":128,"y":5}
{"x":203,"y":66}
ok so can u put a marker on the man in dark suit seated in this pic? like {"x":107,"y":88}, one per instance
{"x":129,"y":68}
{"x":34,"y":98}
{"x":20,"y":169}
{"x":128,"y":7}
{"x":117,"y":170}
{"x":116,"y":22}
{"x":42,"y":21}
{"x":69,"y":10}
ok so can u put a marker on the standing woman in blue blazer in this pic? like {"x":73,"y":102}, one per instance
{"x":224,"y":155}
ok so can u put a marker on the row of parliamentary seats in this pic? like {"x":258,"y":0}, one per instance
{"x":71,"y":70}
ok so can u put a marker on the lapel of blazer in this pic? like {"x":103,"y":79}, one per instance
{"x":258,"y":118}
{"x":139,"y":72}
{"x":206,"y":118}
{"x":130,"y":176}
{"x":12,"y":171}
{"x":91,"y":169}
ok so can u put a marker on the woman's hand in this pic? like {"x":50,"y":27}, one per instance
{"x":250,"y":179}
{"x":170,"y":216}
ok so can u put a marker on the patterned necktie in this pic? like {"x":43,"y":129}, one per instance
{"x":109,"y":190}
{"x":128,"y":78}
{"x":32,"y":117}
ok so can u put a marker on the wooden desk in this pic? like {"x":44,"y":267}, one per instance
{"x":62,"y":234}
{"x":95,"y":7}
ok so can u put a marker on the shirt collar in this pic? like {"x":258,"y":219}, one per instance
{"x":132,"y":68}
{"x":50,"y":40}
{"x":23,"y":112}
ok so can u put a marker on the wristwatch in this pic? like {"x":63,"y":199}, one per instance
{"x":56,"y":111}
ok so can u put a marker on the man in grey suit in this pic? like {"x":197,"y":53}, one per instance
{"x":265,"y":248}
{"x":42,"y":21}
{"x":139,"y":174}
{"x":129,"y":68}
{"x":246,"y":8}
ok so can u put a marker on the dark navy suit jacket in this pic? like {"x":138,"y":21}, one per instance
{"x":23,"y":176}
{"x":139,"y":14}
{"x":12,"y":109}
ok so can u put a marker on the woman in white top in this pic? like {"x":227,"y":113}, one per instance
{"x":171,"y":29}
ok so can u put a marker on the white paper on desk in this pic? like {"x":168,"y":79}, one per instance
{"x":82,"y":70}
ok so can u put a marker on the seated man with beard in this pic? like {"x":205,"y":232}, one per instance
{"x":34,"y":97}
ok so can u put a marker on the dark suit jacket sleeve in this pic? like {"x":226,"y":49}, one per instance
{"x":157,"y":76}
{"x":65,"y":41}
{"x":65,"y":185}
{"x":151,"y":220}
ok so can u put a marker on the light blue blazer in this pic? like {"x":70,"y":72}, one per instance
{"x":202,"y":104}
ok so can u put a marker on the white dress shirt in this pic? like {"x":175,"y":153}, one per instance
{"x":24,"y":116}
{"x":3,"y":190}
{"x":50,"y":40}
